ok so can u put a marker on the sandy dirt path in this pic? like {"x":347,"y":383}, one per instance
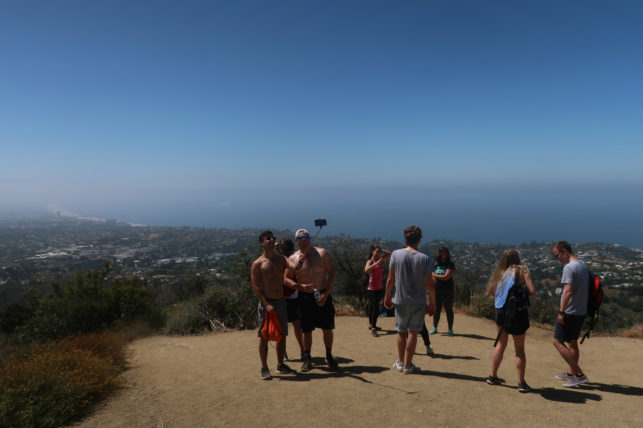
{"x":213,"y":381}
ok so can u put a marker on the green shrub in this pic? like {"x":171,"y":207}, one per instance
{"x":185,"y":318}
{"x":85,"y":306}
{"x":482,"y":305}
{"x":233,"y":306}
{"x":543,"y":309}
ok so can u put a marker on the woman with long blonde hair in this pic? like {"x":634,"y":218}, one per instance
{"x":507,"y":271}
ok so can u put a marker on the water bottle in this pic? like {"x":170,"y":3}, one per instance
{"x":318,"y":297}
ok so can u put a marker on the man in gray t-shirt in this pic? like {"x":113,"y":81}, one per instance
{"x":572,"y":312}
{"x":410,"y":272}
{"x":576,"y":274}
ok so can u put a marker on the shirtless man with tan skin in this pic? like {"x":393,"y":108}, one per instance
{"x":267,"y":273}
{"x":318,"y":270}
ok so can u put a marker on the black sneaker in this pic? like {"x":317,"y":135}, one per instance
{"x":284,"y":369}
{"x":493,"y":380}
{"x":331,"y":362}
{"x":374,"y":333}
{"x":307,"y":366}
{"x":523,"y":387}
{"x":265,"y":373}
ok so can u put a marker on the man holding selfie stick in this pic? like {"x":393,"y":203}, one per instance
{"x":317,"y":307}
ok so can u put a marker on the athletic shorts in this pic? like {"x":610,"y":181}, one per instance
{"x":409,"y":317}
{"x":569,"y":331}
{"x":293,"y":309}
{"x":282,"y":313}
{"x":315,"y":316}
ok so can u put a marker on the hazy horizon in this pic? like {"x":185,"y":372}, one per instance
{"x":506,"y":216}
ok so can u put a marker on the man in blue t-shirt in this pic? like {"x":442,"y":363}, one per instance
{"x":410,"y":271}
{"x":572,"y":312}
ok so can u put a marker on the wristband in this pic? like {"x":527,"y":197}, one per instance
{"x":561,"y":313}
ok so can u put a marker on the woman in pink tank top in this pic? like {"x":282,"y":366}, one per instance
{"x":375,"y":269}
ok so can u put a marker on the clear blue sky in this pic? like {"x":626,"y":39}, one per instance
{"x":106,"y":105}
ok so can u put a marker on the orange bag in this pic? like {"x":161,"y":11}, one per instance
{"x":271,"y":329}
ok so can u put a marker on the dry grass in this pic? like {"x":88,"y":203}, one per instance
{"x":635,"y":332}
{"x":344,"y":309}
{"x":110,"y":346}
{"x":51,"y":384}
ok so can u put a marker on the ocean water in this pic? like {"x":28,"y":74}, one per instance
{"x":493,"y":215}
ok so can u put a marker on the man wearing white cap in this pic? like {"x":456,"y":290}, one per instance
{"x":317,"y":307}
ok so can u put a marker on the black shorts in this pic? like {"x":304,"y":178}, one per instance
{"x":569,"y":331}
{"x":517,"y":327}
{"x":314,"y":316}
{"x":294,"y":313}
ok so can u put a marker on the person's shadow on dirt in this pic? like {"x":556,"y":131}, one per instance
{"x":449,"y":357}
{"x":616,"y":389}
{"x":322,"y":371}
{"x":567,"y":395}
{"x":471,"y":336}
{"x":581,"y":394}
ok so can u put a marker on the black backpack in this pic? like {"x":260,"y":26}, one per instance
{"x":516,"y":312}
{"x":594,"y":299}
{"x":363,"y":280}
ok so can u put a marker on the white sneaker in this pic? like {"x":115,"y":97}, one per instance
{"x":429,"y":351}
{"x":412,"y":369}
{"x":398,"y":366}
{"x":575,"y":381}
{"x":564,"y":376}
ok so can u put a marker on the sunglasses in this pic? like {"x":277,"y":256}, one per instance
{"x":269,"y":238}
{"x":303,"y":237}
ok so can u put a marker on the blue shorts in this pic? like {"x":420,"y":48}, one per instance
{"x":409,"y":318}
{"x":569,"y":331}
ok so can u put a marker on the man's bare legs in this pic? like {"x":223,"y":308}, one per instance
{"x":411,"y":342}
{"x":570,"y":355}
{"x":296,"y":326}
{"x":328,"y":339}
{"x":401,"y":346}
{"x":406,"y":343}
{"x":263,"y":352}
{"x":307,"y":339}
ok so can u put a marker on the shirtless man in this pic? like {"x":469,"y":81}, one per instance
{"x":318,"y":270}
{"x":267,"y":274}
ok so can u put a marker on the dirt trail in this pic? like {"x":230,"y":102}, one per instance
{"x":213,"y":380}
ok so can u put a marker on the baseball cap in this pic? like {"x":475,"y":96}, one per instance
{"x":301,"y":232}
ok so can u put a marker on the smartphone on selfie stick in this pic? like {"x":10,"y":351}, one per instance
{"x":320,"y":222}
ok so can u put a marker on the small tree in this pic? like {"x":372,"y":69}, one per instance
{"x":349,"y":258}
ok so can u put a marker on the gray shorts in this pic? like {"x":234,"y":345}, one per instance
{"x":409,"y":317}
{"x":282,"y":314}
